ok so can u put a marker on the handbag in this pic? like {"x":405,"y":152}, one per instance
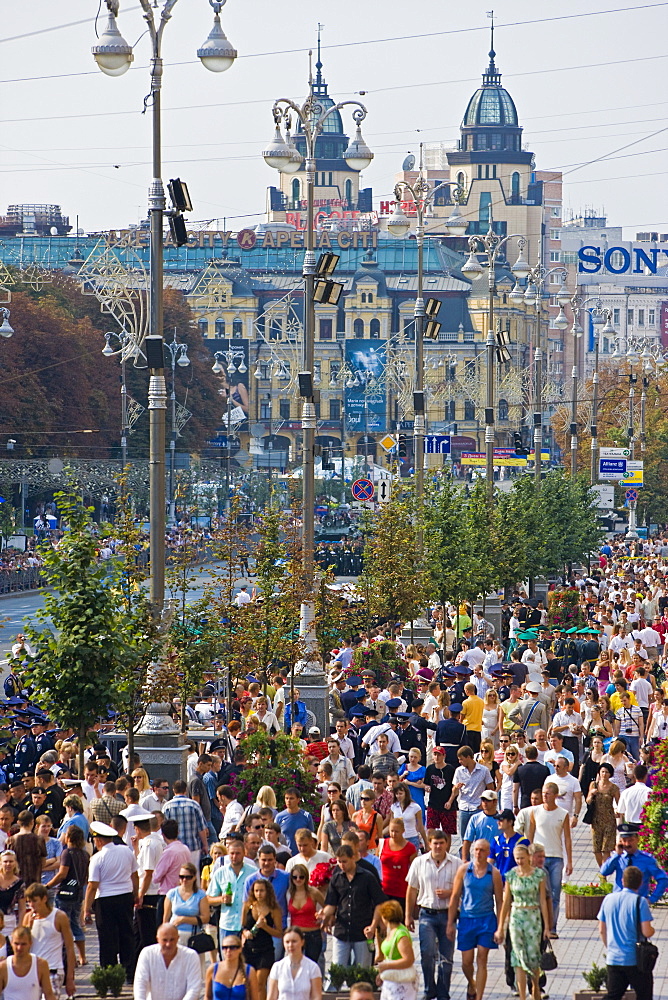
{"x":200,"y":941}
{"x":397,"y":975}
{"x":646,"y":952}
{"x":590,"y":812}
{"x":69,"y":889}
{"x":548,"y":960}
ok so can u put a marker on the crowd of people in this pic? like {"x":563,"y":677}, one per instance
{"x":446,"y":798}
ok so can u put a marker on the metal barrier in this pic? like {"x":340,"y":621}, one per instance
{"x":14,"y":580}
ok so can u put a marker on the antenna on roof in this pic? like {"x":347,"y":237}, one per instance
{"x":490,"y":13}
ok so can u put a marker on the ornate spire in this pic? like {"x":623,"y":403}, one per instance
{"x":320,"y":85}
{"x":492,"y":76}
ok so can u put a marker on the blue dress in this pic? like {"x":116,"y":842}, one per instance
{"x":417,"y":794}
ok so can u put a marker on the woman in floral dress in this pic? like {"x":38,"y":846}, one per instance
{"x":604,"y":794}
{"x":525,"y":914}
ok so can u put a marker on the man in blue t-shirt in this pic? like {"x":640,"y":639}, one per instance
{"x":293,"y":818}
{"x":618,"y":927}
{"x":502,"y":847}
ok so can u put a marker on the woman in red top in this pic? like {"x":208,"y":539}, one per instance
{"x":303,"y":903}
{"x":396,"y":854}
{"x":369,"y":819}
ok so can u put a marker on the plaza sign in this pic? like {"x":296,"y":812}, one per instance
{"x":593,"y":259}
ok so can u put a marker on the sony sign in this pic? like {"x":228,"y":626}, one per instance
{"x":591,"y":260}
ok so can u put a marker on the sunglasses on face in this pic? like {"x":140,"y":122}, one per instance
{"x":298,"y":878}
{"x":185,"y":876}
{"x":230,"y":947}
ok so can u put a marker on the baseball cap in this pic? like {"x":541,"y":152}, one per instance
{"x":489,"y":796}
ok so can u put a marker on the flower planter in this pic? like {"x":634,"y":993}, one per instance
{"x":582,"y":907}
{"x":586,"y":994}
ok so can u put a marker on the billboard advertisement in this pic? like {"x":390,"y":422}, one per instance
{"x":233,"y":356}
{"x":365,"y":400}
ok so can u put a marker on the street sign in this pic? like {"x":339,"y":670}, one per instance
{"x":437,"y":444}
{"x":384,"y":491}
{"x":388,"y":442}
{"x":634,"y":474}
{"x":631,"y":495}
{"x":362,"y":489}
{"x":611,"y":468}
{"x":605,"y":496}
{"x":614,"y":452}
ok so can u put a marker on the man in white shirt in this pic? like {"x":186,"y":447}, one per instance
{"x":243,"y":597}
{"x":535,"y":659}
{"x":433,"y":659}
{"x":430,"y":879}
{"x":150,"y":846}
{"x":342,"y":768}
{"x":308,"y":855}
{"x":230,"y":809}
{"x":632,"y":800}
{"x":371,"y":737}
{"x":476,"y":654}
{"x":549,"y":826}
{"x":642,"y":689}
{"x":167,"y":970}
{"x":568,"y":724}
{"x":113,"y":885}
{"x":569,"y":795}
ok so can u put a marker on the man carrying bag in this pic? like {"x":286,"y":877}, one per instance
{"x":625,"y":923}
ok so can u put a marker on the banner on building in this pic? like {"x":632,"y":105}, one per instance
{"x":365,"y":388}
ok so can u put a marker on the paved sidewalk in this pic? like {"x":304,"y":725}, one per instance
{"x":578,"y":947}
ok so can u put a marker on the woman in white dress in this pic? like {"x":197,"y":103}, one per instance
{"x":509,"y":765}
{"x":492,"y":717}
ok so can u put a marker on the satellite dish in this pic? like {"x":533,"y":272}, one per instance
{"x":408,"y":163}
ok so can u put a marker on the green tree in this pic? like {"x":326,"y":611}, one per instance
{"x":394,"y":581}
{"x":83,"y":646}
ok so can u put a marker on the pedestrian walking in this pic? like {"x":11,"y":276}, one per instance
{"x":112,"y":888}
{"x":477,"y":894}
{"x":168,"y":971}
{"x":623,"y":917}
{"x":24,"y":976}
{"x":550,"y":826}
{"x":430,"y":879}
{"x":525,"y":916}
{"x":395,"y":958}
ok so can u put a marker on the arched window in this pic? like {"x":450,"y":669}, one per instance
{"x":203,"y":326}
{"x":503,"y":409}
{"x":374,"y":329}
{"x":515,"y":185}
{"x":469,"y":409}
{"x":358,"y":328}
{"x":461,"y":180}
{"x":363,"y":296}
{"x":296,"y":188}
{"x":238,"y":328}
{"x":370,"y":299}
{"x":220,"y":327}
{"x":349,"y":193}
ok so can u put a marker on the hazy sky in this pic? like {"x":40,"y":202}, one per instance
{"x":584,"y":86}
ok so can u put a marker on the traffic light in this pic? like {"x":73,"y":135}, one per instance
{"x":327,"y":464}
{"x":520,"y":447}
{"x":401,"y":446}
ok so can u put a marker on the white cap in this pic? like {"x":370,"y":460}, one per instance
{"x":102,"y":829}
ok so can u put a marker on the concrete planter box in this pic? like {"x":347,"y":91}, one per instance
{"x":599,"y":995}
{"x":582,"y":907}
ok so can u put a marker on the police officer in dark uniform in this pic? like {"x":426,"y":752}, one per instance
{"x":25,"y":752}
{"x":393,"y":705}
{"x":408,"y":736}
{"x":591,"y":646}
{"x":422,"y":726}
{"x":450,"y":734}
{"x":40,"y":731}
{"x":371,"y":716}
{"x":502,"y":690}
{"x":545,"y":639}
{"x":457,"y":693}
{"x":349,"y":698}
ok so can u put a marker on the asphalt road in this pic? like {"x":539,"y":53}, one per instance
{"x":18,"y":610}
